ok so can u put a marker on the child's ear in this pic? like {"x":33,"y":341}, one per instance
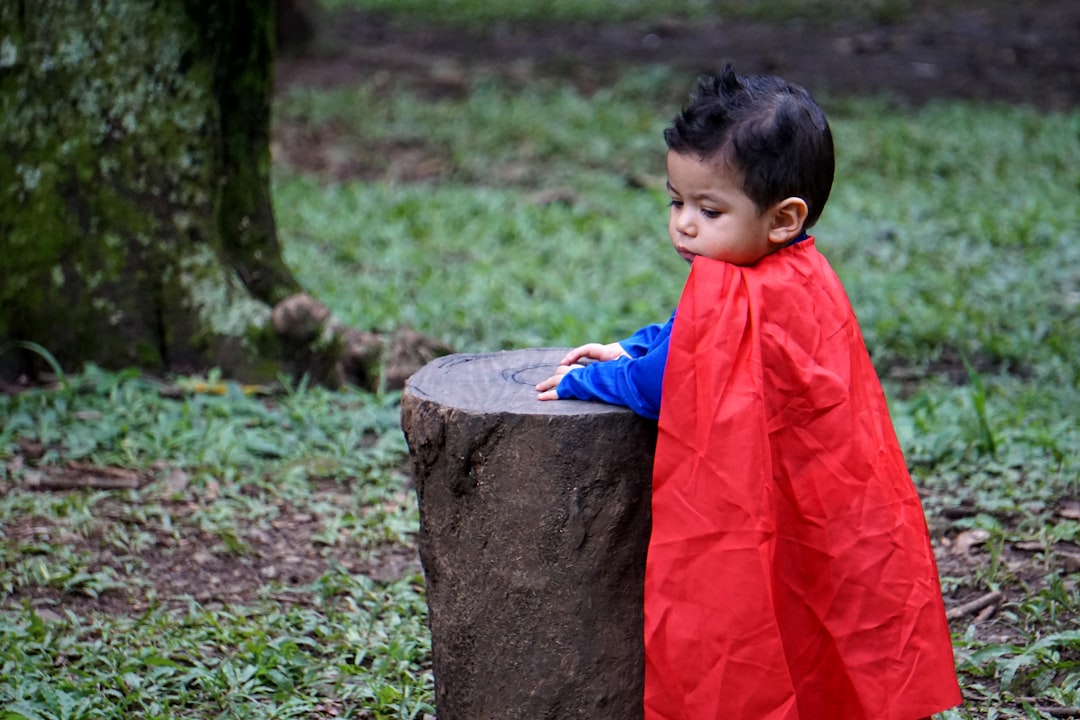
{"x":788,"y":217}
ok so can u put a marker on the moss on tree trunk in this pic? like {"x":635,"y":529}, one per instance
{"x":136,"y":226}
{"x":135,"y":220}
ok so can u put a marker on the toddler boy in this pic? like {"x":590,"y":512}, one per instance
{"x":790,"y":574}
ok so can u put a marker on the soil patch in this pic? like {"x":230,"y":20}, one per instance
{"x":1016,"y":52}
{"x":994,"y":52}
{"x":132,"y":563}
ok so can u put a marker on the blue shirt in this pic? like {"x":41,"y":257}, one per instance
{"x":633,"y":381}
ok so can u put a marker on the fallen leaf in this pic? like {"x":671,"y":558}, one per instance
{"x":965,"y":541}
{"x":1069,"y":509}
{"x":1029,"y":546}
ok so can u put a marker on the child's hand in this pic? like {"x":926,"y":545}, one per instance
{"x":594,"y":351}
{"x":588,"y":352}
{"x":547,"y":387}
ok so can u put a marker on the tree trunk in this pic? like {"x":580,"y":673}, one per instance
{"x":136,"y":226}
{"x":534,"y":524}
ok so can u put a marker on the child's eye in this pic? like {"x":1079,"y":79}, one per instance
{"x":676,"y":203}
{"x":711,"y":214}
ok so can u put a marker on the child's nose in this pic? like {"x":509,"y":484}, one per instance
{"x":684,"y":221}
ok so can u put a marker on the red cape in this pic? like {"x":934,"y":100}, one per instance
{"x":790,"y":574}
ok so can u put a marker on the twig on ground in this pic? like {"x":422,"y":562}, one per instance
{"x":990,"y":599}
{"x":1063,"y":712}
{"x":79,"y":475}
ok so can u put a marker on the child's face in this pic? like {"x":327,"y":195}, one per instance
{"x":711,"y":215}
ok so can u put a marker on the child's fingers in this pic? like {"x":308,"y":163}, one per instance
{"x":553,"y":380}
{"x":590,"y":351}
{"x":574,"y":355}
{"x":548,"y":384}
{"x":546,"y":388}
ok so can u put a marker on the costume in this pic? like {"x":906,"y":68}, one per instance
{"x":790,"y":574}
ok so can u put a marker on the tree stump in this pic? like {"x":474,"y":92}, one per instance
{"x":534,"y":524}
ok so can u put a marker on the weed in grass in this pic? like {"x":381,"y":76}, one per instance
{"x":1056,"y":602}
{"x":987,"y":442}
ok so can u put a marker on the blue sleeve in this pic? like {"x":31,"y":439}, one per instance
{"x":631,"y":381}
{"x":638,"y":343}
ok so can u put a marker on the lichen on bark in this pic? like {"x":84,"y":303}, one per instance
{"x":134,"y":212}
{"x":136,"y":226}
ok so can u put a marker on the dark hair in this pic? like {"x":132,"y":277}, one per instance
{"x":769,"y":130}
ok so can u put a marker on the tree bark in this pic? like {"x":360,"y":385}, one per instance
{"x":534,"y":524}
{"x":112,"y":205}
{"x":136,"y":226}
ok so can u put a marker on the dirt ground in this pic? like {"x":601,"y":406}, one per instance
{"x":989,"y":51}
{"x":1013,"y":52}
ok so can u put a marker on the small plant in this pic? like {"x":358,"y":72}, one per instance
{"x":987,"y":442}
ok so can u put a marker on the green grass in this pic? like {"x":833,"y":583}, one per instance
{"x":355,"y":650}
{"x":340,"y":643}
{"x":257,"y":661}
{"x":953,"y":227}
